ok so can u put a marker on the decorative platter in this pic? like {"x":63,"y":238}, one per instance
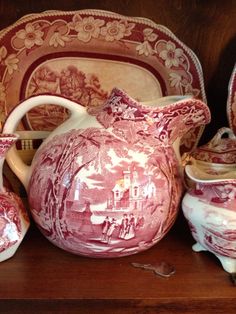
{"x":83,"y":54}
{"x":231,"y":101}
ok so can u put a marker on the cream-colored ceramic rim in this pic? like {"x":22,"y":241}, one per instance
{"x":215,"y":166}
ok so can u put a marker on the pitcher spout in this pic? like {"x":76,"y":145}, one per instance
{"x":166,"y":119}
{"x":172,"y":116}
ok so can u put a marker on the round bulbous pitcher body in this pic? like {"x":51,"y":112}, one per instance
{"x":107,"y":183}
{"x":100,"y":195}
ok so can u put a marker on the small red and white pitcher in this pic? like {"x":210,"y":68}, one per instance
{"x":14,"y":221}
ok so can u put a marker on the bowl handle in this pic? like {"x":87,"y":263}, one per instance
{"x":23,"y":171}
{"x":221,"y":133}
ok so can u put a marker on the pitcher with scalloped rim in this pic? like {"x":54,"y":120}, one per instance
{"x":107,"y":182}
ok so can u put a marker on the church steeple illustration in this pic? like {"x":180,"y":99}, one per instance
{"x":129,"y":193}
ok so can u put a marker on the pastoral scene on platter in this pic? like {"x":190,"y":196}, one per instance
{"x":87,"y":82}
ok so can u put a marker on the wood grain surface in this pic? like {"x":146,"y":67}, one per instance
{"x":42,"y":278}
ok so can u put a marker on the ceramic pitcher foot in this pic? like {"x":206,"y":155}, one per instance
{"x":197,"y":247}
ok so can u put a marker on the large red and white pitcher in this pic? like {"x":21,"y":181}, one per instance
{"x":107,"y":182}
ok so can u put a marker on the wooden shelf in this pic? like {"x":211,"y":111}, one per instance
{"x":42,"y":278}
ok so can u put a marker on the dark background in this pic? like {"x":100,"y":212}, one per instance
{"x":207,"y":27}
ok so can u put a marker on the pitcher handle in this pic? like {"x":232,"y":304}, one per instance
{"x":14,"y":161}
